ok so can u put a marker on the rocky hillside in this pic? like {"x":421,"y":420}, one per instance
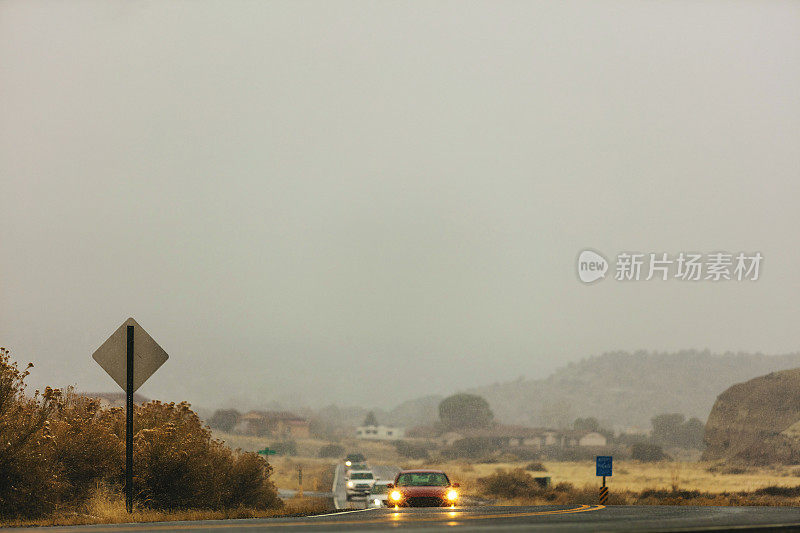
{"x":757,"y":422}
{"x":624,"y":389}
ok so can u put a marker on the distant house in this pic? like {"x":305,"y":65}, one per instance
{"x":537,"y":438}
{"x":113,"y":399}
{"x":379,"y":432}
{"x":592,"y":439}
{"x":279,"y":424}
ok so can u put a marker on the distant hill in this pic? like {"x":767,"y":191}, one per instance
{"x":623,"y":389}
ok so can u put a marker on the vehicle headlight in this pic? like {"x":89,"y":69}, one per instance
{"x":350,"y":484}
{"x":396,"y":495}
{"x":452,"y":495}
{"x":376,"y":501}
{"x":348,"y":463}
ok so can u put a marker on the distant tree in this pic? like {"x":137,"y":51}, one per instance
{"x":586,"y":424}
{"x":647,"y":452}
{"x":667,"y":429}
{"x":331,"y":450}
{"x":370,"y":420}
{"x":674,"y":430}
{"x":224,"y":419}
{"x":465,"y":411}
{"x":693,"y":433}
{"x":411,"y":450}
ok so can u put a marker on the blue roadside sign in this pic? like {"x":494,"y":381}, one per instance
{"x":603,"y":465}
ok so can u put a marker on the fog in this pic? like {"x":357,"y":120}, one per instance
{"x":365,"y":202}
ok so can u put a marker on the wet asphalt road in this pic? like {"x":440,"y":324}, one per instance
{"x":544,"y":518}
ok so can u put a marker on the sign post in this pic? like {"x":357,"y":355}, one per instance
{"x":300,"y":481}
{"x":130,"y":356}
{"x":129,"y":422}
{"x":603,"y":468}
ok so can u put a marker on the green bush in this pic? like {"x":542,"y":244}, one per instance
{"x":331,"y":450}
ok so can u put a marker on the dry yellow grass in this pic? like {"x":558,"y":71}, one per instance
{"x":317,"y":473}
{"x":635,"y":476}
{"x":109,"y":508}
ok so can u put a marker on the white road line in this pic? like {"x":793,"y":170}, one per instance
{"x":344,"y":512}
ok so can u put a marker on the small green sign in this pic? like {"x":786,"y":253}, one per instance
{"x":267,"y":451}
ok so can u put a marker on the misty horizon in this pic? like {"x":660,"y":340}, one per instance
{"x":362,"y":204}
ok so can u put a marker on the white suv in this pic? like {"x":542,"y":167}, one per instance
{"x":359,"y":482}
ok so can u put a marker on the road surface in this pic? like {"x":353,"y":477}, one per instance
{"x":580,"y":518}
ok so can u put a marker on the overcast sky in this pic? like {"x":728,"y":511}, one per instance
{"x":365,"y":202}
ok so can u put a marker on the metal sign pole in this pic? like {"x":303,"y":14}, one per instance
{"x":129,"y":425}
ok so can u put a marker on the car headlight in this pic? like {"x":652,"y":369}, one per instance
{"x":396,"y":495}
{"x":376,"y":501}
{"x":452,"y":495}
{"x":350,"y":484}
{"x":348,"y":463}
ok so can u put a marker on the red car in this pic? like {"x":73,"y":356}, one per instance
{"x":422,"y":488}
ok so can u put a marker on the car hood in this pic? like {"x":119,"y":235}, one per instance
{"x":423,"y":492}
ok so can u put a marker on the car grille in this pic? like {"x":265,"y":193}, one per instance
{"x":425,"y":501}
{"x":362,"y":487}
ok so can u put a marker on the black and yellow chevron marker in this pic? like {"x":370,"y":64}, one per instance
{"x":603,"y":495}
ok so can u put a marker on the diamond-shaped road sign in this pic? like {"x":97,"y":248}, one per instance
{"x":148,"y":356}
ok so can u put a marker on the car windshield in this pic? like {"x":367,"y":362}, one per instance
{"x":358,"y":467}
{"x":379,"y":488}
{"x":422,"y":479}
{"x":361,"y":475}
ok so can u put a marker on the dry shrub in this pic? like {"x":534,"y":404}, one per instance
{"x":177,"y":465}
{"x":30,"y":480}
{"x":535,"y":467}
{"x":85,"y":445}
{"x":57,"y":448}
{"x":513,"y":484}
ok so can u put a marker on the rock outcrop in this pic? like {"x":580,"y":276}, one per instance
{"x":757,"y":422}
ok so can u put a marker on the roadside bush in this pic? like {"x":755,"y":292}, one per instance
{"x":509,"y":484}
{"x":535,"y":467}
{"x":647,"y":453}
{"x":330,"y":451}
{"x":30,"y":480}
{"x":57,"y":449}
{"x":773,"y":490}
{"x":411,"y":450}
{"x":177,"y":465}
{"x":85,"y":447}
